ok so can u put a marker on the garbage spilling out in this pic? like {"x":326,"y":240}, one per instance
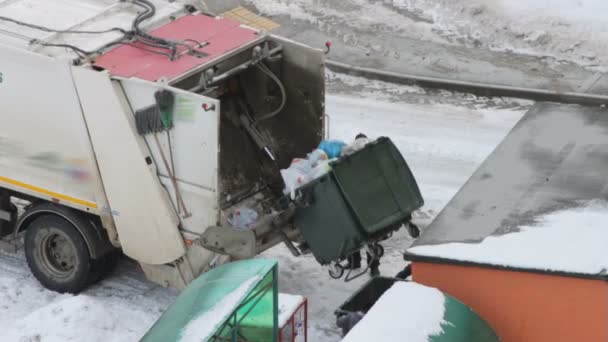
{"x":243,"y":218}
{"x":317,"y":163}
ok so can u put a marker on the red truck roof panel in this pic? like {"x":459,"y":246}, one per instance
{"x":222,"y":36}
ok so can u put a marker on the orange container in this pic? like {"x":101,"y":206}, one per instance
{"x":525,"y":306}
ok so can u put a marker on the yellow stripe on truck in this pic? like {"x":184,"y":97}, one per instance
{"x":48,"y":192}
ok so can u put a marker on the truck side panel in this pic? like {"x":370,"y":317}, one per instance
{"x":193,"y":148}
{"x":146,"y":221}
{"x":44,"y":146}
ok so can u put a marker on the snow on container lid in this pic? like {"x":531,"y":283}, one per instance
{"x":416,"y":313}
{"x":202,"y":311}
{"x":536,"y":203}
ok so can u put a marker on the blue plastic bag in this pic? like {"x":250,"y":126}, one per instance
{"x":333,"y":148}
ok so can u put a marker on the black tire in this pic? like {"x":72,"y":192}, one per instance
{"x":413,"y":230}
{"x":337,"y":272}
{"x":57,"y":254}
{"x":104,"y":266}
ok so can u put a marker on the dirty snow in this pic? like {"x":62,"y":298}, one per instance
{"x":69,"y":319}
{"x":573,"y":240}
{"x":203,"y":326}
{"x":444,"y":137}
{"x":405,"y":310}
{"x":575,"y":30}
{"x":119,"y":309}
{"x":571,"y":30}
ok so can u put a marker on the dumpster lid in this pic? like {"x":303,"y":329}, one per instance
{"x":205,"y":306}
{"x":417,"y":313}
{"x":538,"y":201}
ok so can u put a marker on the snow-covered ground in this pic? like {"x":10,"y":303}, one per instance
{"x":570,"y":30}
{"x":443,"y":136}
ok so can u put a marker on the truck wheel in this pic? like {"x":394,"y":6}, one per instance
{"x":57,"y":254}
{"x":104,"y":266}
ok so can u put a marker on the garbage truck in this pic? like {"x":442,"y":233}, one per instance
{"x":142,"y":126}
{"x":154,"y":128}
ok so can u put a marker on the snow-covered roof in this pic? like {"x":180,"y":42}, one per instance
{"x":81,"y":15}
{"x":536,"y":203}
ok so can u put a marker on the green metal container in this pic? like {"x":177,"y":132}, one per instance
{"x":366,"y":196}
{"x":228,"y":312}
{"x":461,"y":324}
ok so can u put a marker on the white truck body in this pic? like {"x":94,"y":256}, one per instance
{"x":69,"y":135}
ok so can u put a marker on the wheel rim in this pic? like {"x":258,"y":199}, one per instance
{"x":58,"y":254}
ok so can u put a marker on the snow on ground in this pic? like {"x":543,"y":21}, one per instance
{"x":423,"y":306}
{"x":575,"y":30}
{"x":572,"y":30}
{"x":119,"y":309}
{"x":583,"y":252}
{"x":443,"y":136}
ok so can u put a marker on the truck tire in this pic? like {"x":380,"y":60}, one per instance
{"x":57,"y":254}
{"x":104,"y":266}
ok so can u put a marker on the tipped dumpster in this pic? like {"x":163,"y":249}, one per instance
{"x":365,"y":197}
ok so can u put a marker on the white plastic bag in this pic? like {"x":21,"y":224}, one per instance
{"x":296,"y":175}
{"x":302,"y":171}
{"x":355,"y":146}
{"x":321,"y":169}
{"x":317,"y":156}
{"x":243,"y":218}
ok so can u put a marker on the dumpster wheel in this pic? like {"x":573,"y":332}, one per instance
{"x":413,"y":230}
{"x":336,"y":271}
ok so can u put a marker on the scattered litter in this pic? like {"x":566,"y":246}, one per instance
{"x":243,"y":218}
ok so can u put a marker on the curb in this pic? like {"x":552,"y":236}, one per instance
{"x":480,"y":89}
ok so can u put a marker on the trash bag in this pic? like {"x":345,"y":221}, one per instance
{"x":298,"y":174}
{"x":333,"y":148}
{"x":302,"y":171}
{"x":317,"y":156}
{"x":243,"y":218}
{"x":355,"y":146}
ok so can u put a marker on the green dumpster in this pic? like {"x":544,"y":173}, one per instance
{"x":365,"y":196}
{"x":405,"y":315}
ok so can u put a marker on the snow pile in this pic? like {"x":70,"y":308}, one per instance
{"x":71,"y":319}
{"x":576,"y":30}
{"x":407,"y":311}
{"x":572,"y":30}
{"x":205,"y":325}
{"x":573,"y":240}
{"x":362,"y":15}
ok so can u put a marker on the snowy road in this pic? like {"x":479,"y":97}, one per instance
{"x":443,"y":136}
